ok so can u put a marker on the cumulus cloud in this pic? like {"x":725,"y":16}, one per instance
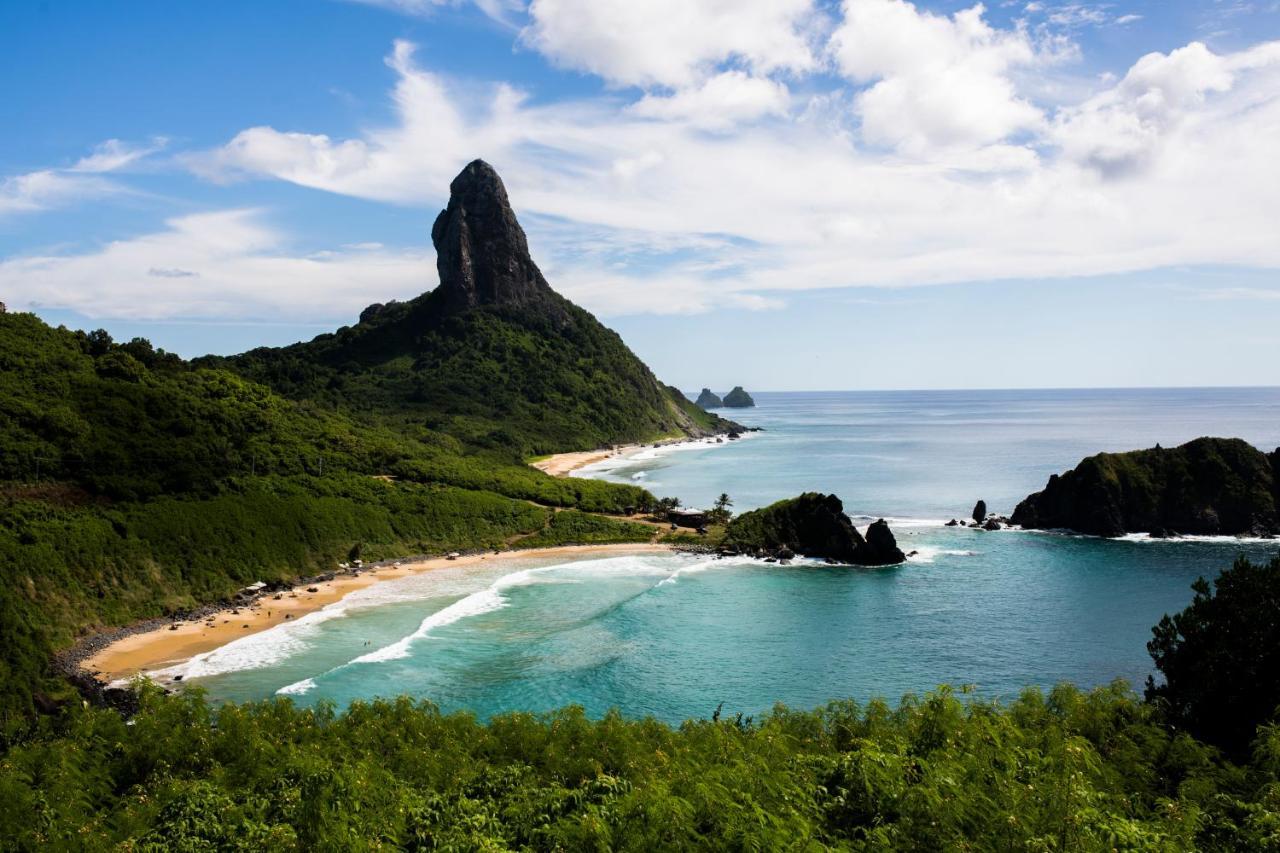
{"x":929,"y":160}
{"x":806,"y":207}
{"x":936,"y":80}
{"x":672,"y":43}
{"x":1123,"y":127}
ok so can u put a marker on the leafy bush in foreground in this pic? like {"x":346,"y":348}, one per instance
{"x":1063,"y":771}
{"x":1221,"y":656}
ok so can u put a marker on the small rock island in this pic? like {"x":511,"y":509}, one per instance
{"x":813,"y":525}
{"x":708,"y":399}
{"x":1209,"y":486}
{"x":738,"y":399}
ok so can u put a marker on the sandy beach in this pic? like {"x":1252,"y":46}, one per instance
{"x":564,"y":464}
{"x":165,"y":646}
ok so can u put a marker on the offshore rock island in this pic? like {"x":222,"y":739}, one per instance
{"x":812,"y":525}
{"x":1209,"y":486}
{"x":708,"y":400}
{"x":735,"y":399}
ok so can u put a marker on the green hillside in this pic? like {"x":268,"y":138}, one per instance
{"x":493,"y":355}
{"x":135,"y":484}
{"x":541,"y":379}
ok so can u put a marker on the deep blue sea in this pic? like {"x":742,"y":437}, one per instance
{"x":675,"y":635}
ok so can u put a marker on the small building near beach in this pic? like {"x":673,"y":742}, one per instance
{"x":693,"y":518}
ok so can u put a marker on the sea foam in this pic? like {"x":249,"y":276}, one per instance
{"x":298,"y":688}
{"x":494,"y":598}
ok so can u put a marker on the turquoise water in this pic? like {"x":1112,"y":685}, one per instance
{"x":675,"y":635}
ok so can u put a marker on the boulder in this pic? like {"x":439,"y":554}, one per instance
{"x":980,"y":511}
{"x":991,"y":524}
{"x":883,"y":545}
{"x":953,"y":523}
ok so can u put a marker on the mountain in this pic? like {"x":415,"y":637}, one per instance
{"x":708,"y":400}
{"x":1207,"y":486}
{"x":738,"y":399}
{"x":492,"y":356}
{"x":136,"y":484}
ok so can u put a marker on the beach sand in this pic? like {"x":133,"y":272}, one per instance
{"x":564,"y":464}
{"x":166,"y":646}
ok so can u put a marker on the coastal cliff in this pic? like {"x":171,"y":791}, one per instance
{"x":813,"y":525}
{"x":1208,"y":486}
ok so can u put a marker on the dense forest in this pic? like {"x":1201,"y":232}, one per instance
{"x":1066,"y":770}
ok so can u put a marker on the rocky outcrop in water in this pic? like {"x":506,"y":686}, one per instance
{"x":814,"y":525}
{"x":980,"y":512}
{"x":1208,"y":486}
{"x":738,"y":399}
{"x":709,"y":400}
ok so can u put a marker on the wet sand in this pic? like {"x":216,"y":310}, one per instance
{"x":166,"y":646}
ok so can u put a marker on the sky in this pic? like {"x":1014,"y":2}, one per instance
{"x":781,"y":194}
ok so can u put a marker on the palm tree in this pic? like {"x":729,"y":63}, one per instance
{"x":722,"y":507}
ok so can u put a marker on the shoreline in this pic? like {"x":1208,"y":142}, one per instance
{"x":156,"y":644}
{"x":566,"y":464}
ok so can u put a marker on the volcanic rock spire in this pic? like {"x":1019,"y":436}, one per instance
{"x":481,"y":252}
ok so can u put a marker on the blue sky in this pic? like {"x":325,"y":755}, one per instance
{"x":779,"y":193}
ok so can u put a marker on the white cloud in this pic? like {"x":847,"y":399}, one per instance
{"x":114,"y":155}
{"x":48,"y":188}
{"x":1122,"y":128}
{"x":936,"y":81}
{"x":1080,"y":14}
{"x":617,"y":194}
{"x":499,"y":10}
{"x":409,"y":163}
{"x":720,"y":102}
{"x":632,"y":205}
{"x":672,"y":43}
{"x":225,"y":264}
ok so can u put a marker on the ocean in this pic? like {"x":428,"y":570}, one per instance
{"x":674,"y":636}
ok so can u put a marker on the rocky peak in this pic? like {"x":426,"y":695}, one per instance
{"x":481,"y":252}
